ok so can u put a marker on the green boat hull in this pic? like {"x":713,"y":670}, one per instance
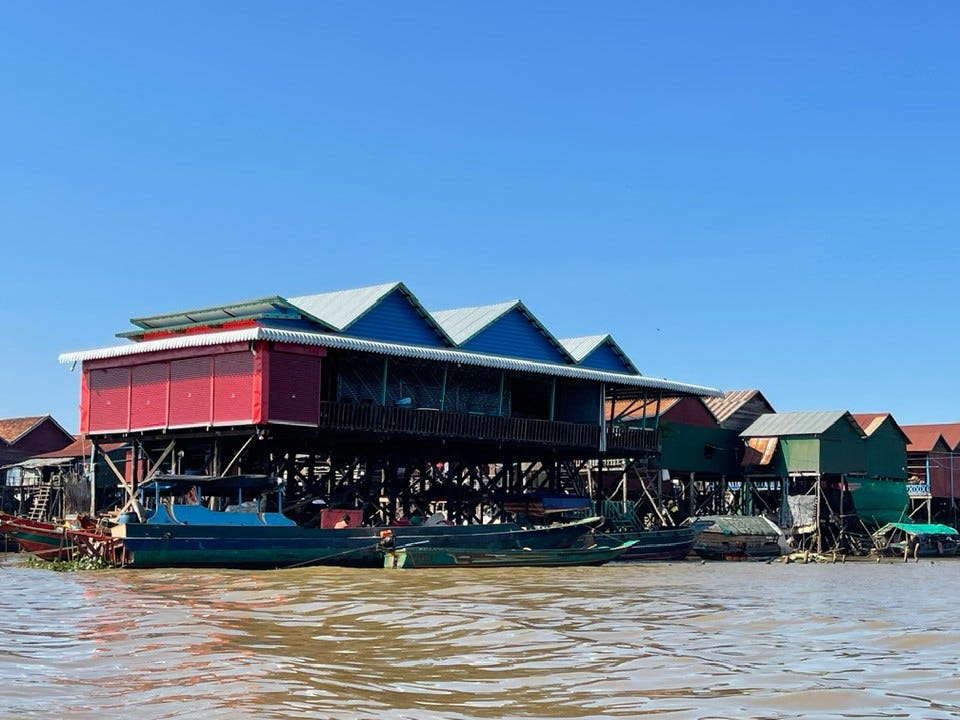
{"x":436,"y":557}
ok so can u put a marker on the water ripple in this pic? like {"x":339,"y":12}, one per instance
{"x":671,"y":640}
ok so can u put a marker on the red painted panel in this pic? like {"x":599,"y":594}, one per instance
{"x":261,"y":384}
{"x":233,"y":388}
{"x":940,"y":475}
{"x":294,"y":394}
{"x":109,"y":407}
{"x":690,"y":411}
{"x":148,"y":398}
{"x":190,"y":383}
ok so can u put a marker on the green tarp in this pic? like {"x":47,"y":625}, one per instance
{"x":920,"y":529}
{"x":879,"y":501}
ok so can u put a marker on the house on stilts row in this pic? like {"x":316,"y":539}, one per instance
{"x":364,"y":399}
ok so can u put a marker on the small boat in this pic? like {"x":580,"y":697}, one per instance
{"x":668,"y":544}
{"x":175,"y":532}
{"x":45,"y":540}
{"x":737,"y":538}
{"x":917,"y":540}
{"x":426,"y":556}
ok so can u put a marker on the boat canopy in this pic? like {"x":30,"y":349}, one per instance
{"x":212,"y":485}
{"x":917,"y":529}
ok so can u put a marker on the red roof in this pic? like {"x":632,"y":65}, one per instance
{"x":78,"y":448}
{"x":924,"y":438}
{"x":869,"y":422}
{"x":11,"y":429}
{"x":950,"y":432}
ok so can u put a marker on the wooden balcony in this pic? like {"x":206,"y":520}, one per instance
{"x":427,"y":423}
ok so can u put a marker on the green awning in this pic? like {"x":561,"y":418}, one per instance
{"x":919,"y":529}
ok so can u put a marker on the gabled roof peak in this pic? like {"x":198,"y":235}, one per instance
{"x":463,"y":324}
{"x":798,"y":423}
{"x":580,"y":348}
{"x":342,"y":308}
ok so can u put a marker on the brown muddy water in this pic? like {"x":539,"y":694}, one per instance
{"x":678,"y":640}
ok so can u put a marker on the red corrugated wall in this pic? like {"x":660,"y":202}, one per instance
{"x":200,"y":387}
{"x":233,"y":388}
{"x":294,"y":388}
{"x":148,"y":398}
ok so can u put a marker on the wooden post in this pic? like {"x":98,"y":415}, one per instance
{"x":443,"y":390}
{"x":383,"y":390}
{"x":93,"y":479}
{"x":819,"y":500}
{"x":553,"y":398}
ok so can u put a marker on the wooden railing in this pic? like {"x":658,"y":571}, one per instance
{"x":477,"y":427}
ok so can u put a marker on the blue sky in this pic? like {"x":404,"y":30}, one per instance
{"x":748,"y":194}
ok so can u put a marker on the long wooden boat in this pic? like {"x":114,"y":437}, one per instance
{"x":426,"y":556}
{"x":737,"y":538}
{"x":192,"y":535}
{"x":46,"y":540}
{"x":667,"y":544}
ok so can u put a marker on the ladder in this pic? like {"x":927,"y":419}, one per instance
{"x":38,"y":511}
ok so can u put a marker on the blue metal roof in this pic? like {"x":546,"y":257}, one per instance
{"x":387,"y":312}
{"x":507,"y":328}
{"x":600,"y":352}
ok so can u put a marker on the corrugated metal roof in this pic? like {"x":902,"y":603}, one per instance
{"x":12,"y":429}
{"x":950,"y":432}
{"x":213,"y":314}
{"x":396,"y":349}
{"x":580,"y":348}
{"x":871,"y":422}
{"x":80,"y":447}
{"x":924,"y":438}
{"x":732,"y":400}
{"x":342,"y":307}
{"x":796,"y":423}
{"x":759,"y":451}
{"x":634,"y":409}
{"x":461,"y":324}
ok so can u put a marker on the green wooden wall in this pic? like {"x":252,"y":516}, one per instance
{"x":695,"y":448}
{"x":886,"y":452}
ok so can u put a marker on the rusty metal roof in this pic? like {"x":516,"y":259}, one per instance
{"x":12,"y":429}
{"x":80,"y":447}
{"x":925,"y":438}
{"x":636,"y":409}
{"x":949,"y":431}
{"x":732,"y":400}
{"x":870,"y":422}
{"x":760,"y":450}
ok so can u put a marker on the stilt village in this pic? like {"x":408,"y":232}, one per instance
{"x":358,"y":427}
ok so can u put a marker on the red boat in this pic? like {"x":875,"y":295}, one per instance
{"x":46,"y":540}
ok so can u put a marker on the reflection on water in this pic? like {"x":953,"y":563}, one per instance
{"x":685,"y":640}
